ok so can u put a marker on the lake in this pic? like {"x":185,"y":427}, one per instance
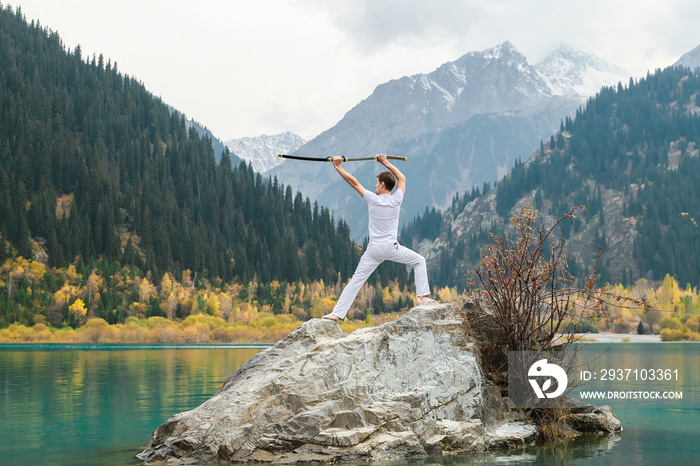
{"x":80,"y":405}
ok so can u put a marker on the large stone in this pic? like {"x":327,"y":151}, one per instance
{"x":407,"y":388}
{"x":595,"y":420}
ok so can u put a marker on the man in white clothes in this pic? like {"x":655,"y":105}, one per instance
{"x":383,"y":208}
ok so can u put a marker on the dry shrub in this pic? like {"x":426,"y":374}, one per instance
{"x":196,"y":334}
{"x":155,"y":321}
{"x":693,"y":324}
{"x":97,"y":330}
{"x":16,"y":333}
{"x":621,"y":327}
{"x":42,"y":333}
{"x":280,"y":333}
{"x":683,"y":334}
{"x":131,"y":332}
{"x":286,"y":318}
{"x":525,"y":283}
{"x":268,"y":322}
{"x":162,"y":330}
{"x":203,"y":320}
{"x":300,"y":313}
{"x":65,"y":335}
{"x":224,"y":334}
{"x":238,"y":334}
{"x":248,"y":334}
{"x":167,"y":332}
{"x":528,"y":294}
{"x":553,"y":423}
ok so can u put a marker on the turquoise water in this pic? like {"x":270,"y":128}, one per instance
{"x":90,"y":405}
{"x":96,"y":405}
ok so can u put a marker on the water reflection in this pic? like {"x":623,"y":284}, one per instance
{"x":59,"y":406}
{"x":562,"y":452}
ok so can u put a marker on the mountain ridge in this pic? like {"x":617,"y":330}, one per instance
{"x":261,"y":151}
{"x":478,"y":113}
{"x":631,"y":155}
{"x":690,"y":59}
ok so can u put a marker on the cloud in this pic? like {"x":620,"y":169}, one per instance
{"x":374,"y":25}
{"x":248,"y":67}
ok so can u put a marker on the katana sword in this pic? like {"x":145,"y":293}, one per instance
{"x":330,"y":159}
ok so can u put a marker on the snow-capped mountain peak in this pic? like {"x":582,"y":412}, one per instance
{"x":494,"y":53}
{"x":578,"y":73}
{"x":461,"y":125}
{"x":491,"y":80}
{"x":261,"y":151}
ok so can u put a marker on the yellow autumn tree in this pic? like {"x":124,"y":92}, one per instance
{"x":66,"y":294}
{"x":669,"y":292}
{"x":17,"y":268}
{"x":146,"y":290}
{"x":166,"y":286}
{"x":213,"y":306}
{"x":78,"y":311}
{"x":225,"y":305}
{"x":93,"y":286}
{"x":72,"y":276}
{"x":169,"y":292}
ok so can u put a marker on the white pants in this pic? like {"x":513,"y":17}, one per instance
{"x":375,"y":254}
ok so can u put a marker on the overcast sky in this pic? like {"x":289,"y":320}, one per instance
{"x":252,"y":67}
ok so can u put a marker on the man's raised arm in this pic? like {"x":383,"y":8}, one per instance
{"x":352,"y":181}
{"x":400,"y":178}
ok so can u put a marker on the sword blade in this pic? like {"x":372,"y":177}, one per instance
{"x":330,"y":159}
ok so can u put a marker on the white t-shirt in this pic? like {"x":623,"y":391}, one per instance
{"x":383,"y":215}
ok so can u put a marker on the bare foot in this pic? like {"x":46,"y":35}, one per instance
{"x":331,"y":317}
{"x":425,"y":300}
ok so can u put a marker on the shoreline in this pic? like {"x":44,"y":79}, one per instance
{"x":582,"y":338}
{"x":618,"y":338}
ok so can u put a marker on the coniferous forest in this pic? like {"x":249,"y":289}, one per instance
{"x":633,"y":148}
{"x":99,"y":174}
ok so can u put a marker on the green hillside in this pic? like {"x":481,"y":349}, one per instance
{"x":631,"y":155}
{"x":97,"y":171}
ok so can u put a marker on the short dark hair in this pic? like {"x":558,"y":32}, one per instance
{"x":388,"y":179}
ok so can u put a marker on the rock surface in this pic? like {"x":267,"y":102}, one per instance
{"x":413,"y":387}
{"x":588,"y":419}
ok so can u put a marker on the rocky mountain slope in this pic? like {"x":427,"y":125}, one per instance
{"x":631,"y":156}
{"x":261,"y":151}
{"x":690,"y":59}
{"x":461,"y":125}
